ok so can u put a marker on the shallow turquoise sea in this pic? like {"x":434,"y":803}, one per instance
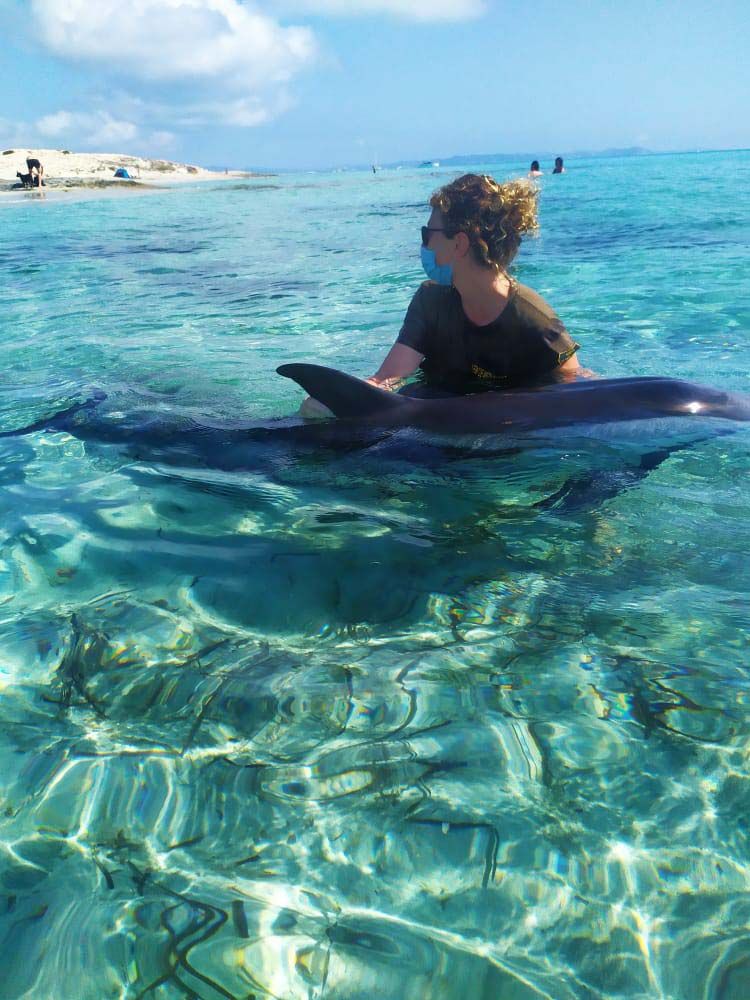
{"x":385,"y":716}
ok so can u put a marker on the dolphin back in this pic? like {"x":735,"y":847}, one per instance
{"x":62,"y":420}
{"x":344,"y":395}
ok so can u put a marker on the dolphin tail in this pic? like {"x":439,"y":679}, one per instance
{"x":344,"y":395}
{"x":60,"y":420}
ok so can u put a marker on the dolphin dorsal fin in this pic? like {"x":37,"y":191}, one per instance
{"x":344,"y":395}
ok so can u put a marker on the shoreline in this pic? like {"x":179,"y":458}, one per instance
{"x":94,"y":173}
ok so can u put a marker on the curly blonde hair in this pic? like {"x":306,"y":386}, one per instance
{"x":494,"y":216}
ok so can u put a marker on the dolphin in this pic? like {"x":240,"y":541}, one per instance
{"x":369,"y":416}
{"x":388,"y":430}
{"x":587,"y":401}
{"x":155,"y":434}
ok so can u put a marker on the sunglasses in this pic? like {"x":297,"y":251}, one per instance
{"x":426,"y":230}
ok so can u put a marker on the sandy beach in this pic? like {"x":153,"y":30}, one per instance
{"x":65,"y":170}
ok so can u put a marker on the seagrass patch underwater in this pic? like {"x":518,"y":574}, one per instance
{"x":313,"y":718}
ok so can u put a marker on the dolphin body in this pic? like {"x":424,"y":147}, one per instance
{"x":395,"y":431}
{"x":152,"y":434}
{"x":370,"y":416}
{"x":589,"y":401}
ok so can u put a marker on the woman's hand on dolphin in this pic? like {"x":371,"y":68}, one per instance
{"x":313,"y":409}
{"x":385,"y":383}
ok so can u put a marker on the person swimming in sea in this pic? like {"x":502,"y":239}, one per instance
{"x":558,"y":168}
{"x":472,"y":326}
{"x":534,"y":170}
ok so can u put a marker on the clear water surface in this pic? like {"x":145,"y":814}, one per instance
{"x":390,"y":716}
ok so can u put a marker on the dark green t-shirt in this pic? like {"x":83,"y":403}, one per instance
{"x":526,"y":341}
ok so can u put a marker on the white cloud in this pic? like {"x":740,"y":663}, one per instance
{"x":411,"y":10}
{"x":195,"y":62}
{"x":164,"y":65}
{"x":97,"y":129}
{"x":160,"y":141}
{"x":195,"y":110}
{"x":13,"y":134}
{"x":243,"y":112}
{"x":56,"y":124}
{"x":190,"y":41}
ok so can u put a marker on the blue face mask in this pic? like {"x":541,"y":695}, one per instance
{"x":441,"y":273}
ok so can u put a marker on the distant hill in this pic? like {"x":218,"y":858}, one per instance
{"x":580,"y":154}
{"x":615,"y":151}
{"x":469,"y":158}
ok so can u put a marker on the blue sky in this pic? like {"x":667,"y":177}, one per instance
{"x":314,"y":83}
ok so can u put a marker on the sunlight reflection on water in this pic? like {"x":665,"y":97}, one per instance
{"x":390,"y":716}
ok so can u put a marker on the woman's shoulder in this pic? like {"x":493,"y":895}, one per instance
{"x":434,"y":299}
{"x":541,"y":324}
{"x":434,"y":292}
{"x":530,"y":302}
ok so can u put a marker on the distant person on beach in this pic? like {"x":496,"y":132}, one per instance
{"x":472,"y":326}
{"x":559,"y":168}
{"x":34,"y":167}
{"x":534,"y":170}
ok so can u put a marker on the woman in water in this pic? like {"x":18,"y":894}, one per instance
{"x":534,"y":170}
{"x":472,"y":326}
{"x":472,"y":322}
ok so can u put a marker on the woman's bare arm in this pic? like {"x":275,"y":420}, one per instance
{"x":571,"y":365}
{"x":399,"y":362}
